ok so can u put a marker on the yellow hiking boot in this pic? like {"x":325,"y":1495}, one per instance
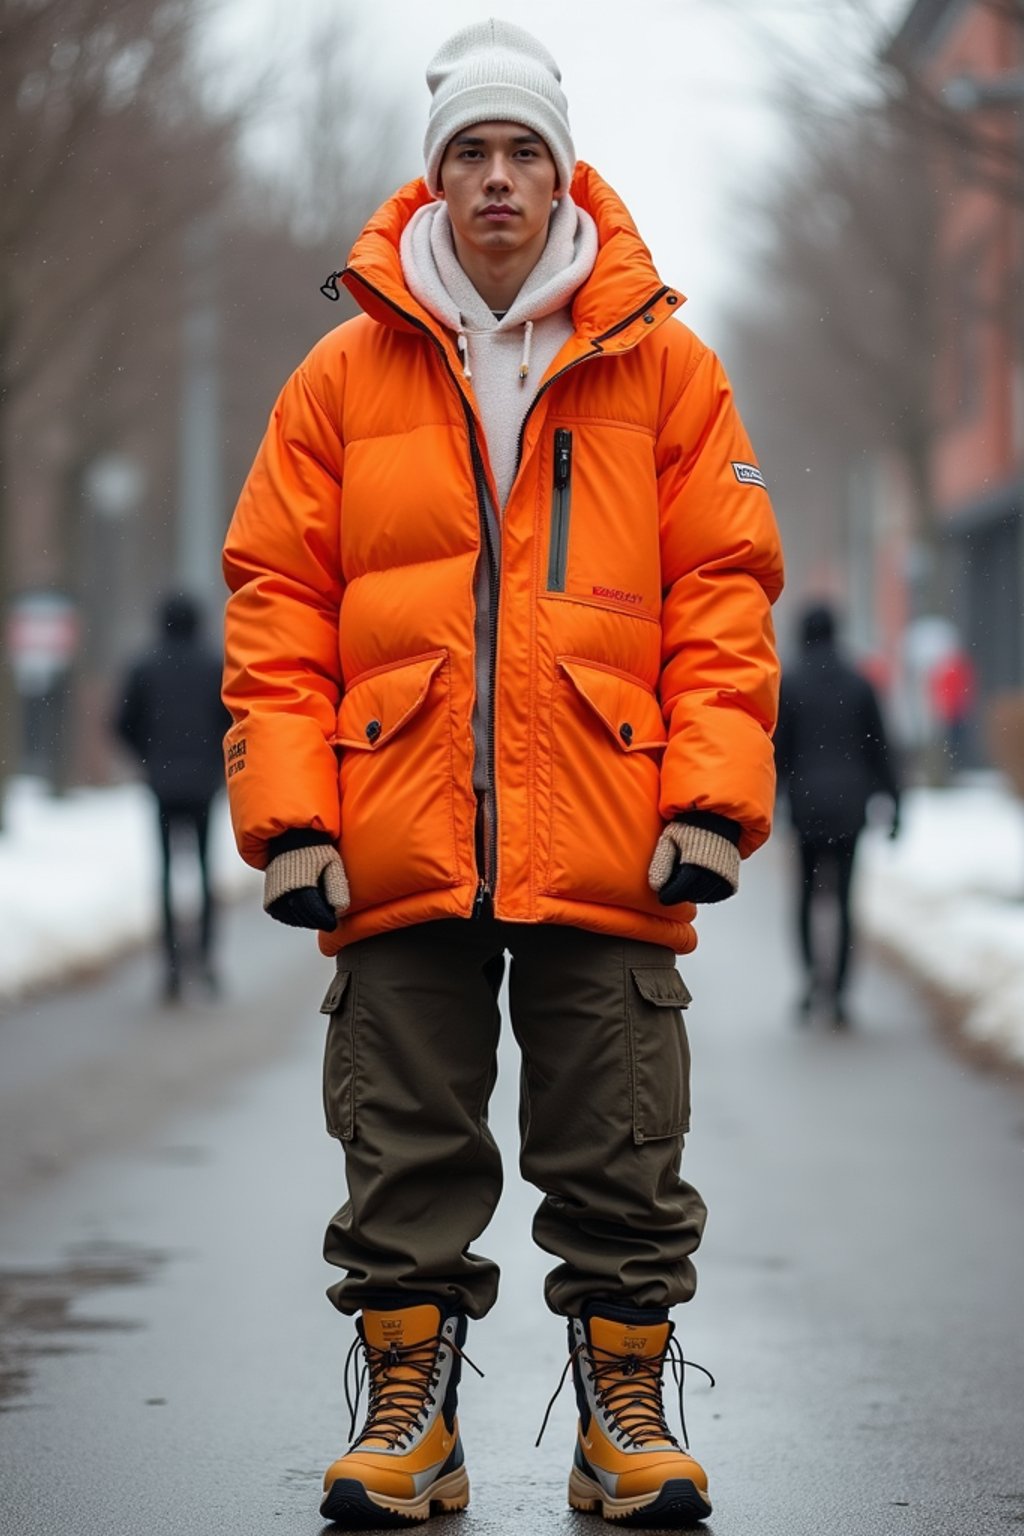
{"x":628,"y":1465}
{"x":407,"y":1461}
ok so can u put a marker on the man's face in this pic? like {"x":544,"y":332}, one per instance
{"x":498,"y":180}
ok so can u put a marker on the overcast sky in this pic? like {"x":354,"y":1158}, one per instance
{"x":669,"y":99}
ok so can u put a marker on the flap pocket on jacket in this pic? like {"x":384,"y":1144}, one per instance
{"x":662,"y":986}
{"x":626,"y":707}
{"x":659,"y":1053}
{"x":335,"y":992}
{"x":378,"y":704}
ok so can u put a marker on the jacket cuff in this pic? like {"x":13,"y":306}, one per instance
{"x":722,"y":826}
{"x":297,"y":837}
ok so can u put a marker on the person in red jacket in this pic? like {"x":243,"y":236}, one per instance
{"x":951,"y":694}
{"x":502,"y":671}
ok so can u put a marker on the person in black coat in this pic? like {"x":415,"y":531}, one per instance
{"x":832,"y":756}
{"x":172,"y":718}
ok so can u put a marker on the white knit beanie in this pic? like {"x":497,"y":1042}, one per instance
{"x":494,"y":72}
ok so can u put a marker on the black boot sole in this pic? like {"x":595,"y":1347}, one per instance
{"x":678,"y":1506}
{"x":349,"y":1506}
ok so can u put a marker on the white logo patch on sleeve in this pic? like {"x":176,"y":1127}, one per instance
{"x":748,"y":474}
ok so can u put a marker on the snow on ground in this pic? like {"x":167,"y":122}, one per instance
{"x":79,"y":877}
{"x":948,"y":896}
{"x":78,"y":885}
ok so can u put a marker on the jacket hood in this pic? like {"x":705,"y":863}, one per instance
{"x":623,"y":280}
{"x":433,"y":274}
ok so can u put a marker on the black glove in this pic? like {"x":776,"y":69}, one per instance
{"x":692,"y":882}
{"x":305,"y":884}
{"x":305,"y":908}
{"x":675,"y":876}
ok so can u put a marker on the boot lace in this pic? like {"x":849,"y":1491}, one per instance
{"x":402,"y":1385}
{"x":628,"y":1388}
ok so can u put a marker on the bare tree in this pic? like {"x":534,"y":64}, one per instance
{"x":107,"y":151}
{"x":885,"y":314}
{"x":110,"y":152}
{"x":293,"y":222}
{"x":857,"y":271}
{"x":865,"y":56}
{"x":845,"y":346}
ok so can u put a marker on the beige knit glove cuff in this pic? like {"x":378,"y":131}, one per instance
{"x":693,"y":845}
{"x":299,"y":867}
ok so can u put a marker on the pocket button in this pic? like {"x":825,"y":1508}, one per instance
{"x":373,"y":730}
{"x":626,"y":732}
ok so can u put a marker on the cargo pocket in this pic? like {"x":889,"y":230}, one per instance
{"x":340,"y":1058}
{"x":394,"y":735}
{"x":659,"y":1052}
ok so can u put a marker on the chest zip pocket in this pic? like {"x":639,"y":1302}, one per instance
{"x":561,"y":505}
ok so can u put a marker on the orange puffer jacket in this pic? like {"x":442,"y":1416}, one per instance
{"x":634,"y":674}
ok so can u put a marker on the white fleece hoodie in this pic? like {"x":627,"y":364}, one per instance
{"x":504,"y":359}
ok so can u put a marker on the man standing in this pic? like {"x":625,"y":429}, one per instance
{"x":499,"y":634}
{"x":832,"y":756}
{"x":172,"y":717}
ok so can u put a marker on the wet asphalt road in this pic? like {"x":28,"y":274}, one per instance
{"x":168,"y":1364}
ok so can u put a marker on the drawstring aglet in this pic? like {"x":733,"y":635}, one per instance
{"x":329,"y":288}
{"x":524,"y":366}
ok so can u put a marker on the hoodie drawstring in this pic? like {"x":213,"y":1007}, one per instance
{"x":524,"y":366}
{"x":462,"y":342}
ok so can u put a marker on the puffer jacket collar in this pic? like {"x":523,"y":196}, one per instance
{"x":623,"y":299}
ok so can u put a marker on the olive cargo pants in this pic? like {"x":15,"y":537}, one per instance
{"x":409,"y":1066}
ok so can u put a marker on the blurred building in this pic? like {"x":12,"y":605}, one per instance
{"x":969,"y":57}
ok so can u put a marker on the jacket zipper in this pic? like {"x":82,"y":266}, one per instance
{"x":489,"y":873}
{"x":487,"y":883}
{"x":561,"y":505}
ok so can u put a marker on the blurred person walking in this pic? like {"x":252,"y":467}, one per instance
{"x":832,"y":755}
{"x":172,"y":718}
{"x":501,"y":665}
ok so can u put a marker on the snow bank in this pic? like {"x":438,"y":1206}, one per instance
{"x":78,"y":885}
{"x":949,"y":897}
{"x":78,"y":878}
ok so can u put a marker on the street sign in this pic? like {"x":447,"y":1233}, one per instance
{"x":42,"y":637}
